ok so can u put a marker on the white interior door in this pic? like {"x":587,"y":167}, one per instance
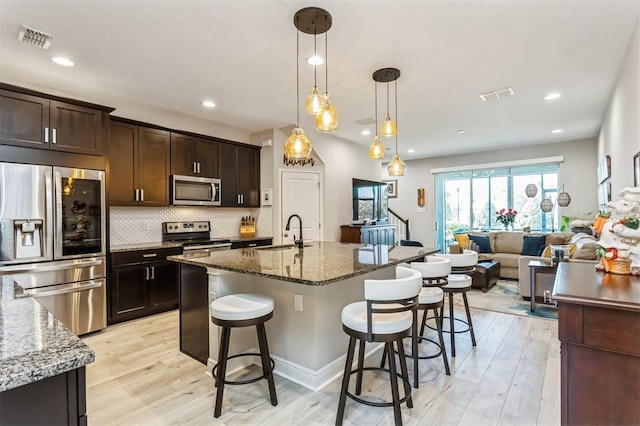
{"x":301,"y":195}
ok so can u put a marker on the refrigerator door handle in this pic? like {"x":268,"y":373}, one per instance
{"x":63,"y":289}
{"x":57,"y":189}
{"x":54,"y":266}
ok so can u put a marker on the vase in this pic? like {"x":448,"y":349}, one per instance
{"x":507,"y":227}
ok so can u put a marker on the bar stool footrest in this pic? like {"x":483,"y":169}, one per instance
{"x":214,"y":371}
{"x":407,"y":389}
{"x":444,"y":322}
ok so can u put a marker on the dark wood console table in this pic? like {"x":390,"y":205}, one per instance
{"x":599,"y":330}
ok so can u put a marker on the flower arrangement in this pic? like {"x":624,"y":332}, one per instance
{"x":506,"y":216}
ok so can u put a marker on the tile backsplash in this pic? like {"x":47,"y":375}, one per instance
{"x":132,"y":225}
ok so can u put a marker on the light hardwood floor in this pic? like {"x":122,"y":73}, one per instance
{"x":512,"y":377}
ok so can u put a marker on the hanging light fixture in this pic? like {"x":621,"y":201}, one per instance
{"x":388,"y":126}
{"x":396,"y":166}
{"x":546,"y":205}
{"x":297,"y":146}
{"x":327,"y":117}
{"x":531,"y":190}
{"x":314,"y":100}
{"x":376,"y":150}
{"x":564,"y":199}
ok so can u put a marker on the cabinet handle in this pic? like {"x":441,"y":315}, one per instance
{"x":194,"y":167}
{"x":46,"y":135}
{"x":150,"y":255}
{"x":198,"y":167}
{"x":153,"y":272}
{"x":53,"y":140}
{"x":142,"y":195}
{"x":137,"y":195}
{"x":241,"y":198}
{"x":146,"y":273}
{"x":238,"y":198}
{"x":253,"y":245}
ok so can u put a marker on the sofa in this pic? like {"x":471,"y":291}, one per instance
{"x":507,"y":247}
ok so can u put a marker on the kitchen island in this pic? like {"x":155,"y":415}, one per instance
{"x":42,"y":364}
{"x":310,"y":286}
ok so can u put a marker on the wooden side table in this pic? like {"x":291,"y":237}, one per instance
{"x":538,"y":267}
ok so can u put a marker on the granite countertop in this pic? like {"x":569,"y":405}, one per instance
{"x":319,"y":264}
{"x":580,"y":283}
{"x":34,"y":345}
{"x":154,"y":245}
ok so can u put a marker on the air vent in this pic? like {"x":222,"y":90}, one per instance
{"x":35,"y":37}
{"x":366,"y":121}
{"x":497,"y":94}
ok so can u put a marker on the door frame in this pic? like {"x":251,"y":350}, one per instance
{"x":278,"y":216}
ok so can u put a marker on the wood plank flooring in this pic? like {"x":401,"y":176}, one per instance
{"x":512,"y":377}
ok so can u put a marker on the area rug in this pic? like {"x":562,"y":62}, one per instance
{"x":504,"y":297}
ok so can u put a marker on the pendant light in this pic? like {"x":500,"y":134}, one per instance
{"x":327,"y":117}
{"x":376,"y":150}
{"x":297,"y":146}
{"x":396,"y":166}
{"x":388,"y":126}
{"x":314,"y":100}
{"x":564,"y":199}
{"x":531,"y":190}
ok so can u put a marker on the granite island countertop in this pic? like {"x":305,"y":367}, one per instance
{"x":321,"y":263}
{"x":34,"y":345}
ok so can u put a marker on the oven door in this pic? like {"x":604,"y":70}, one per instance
{"x":194,"y":191}
{"x":80,"y":213}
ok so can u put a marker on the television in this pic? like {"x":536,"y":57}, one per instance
{"x":370,"y":201}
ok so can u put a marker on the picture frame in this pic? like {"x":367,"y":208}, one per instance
{"x":392,"y":188}
{"x":267,"y":199}
{"x":604,"y":194}
{"x":636,"y":170}
{"x":604,"y":169}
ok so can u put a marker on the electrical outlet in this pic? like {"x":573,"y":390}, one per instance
{"x":212,"y":296}
{"x":145,"y":225}
{"x":297,"y":302}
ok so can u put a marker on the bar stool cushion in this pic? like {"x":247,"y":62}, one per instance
{"x":458,"y":281}
{"x":354,"y":316}
{"x":433,"y":267}
{"x":465,"y":259}
{"x":430,"y":295}
{"x":237,"y":307}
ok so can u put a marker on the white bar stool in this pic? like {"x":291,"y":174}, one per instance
{"x":388,"y":315}
{"x":242,"y":310}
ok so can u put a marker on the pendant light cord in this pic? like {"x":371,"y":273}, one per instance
{"x":387,"y":99}
{"x":326,"y":61}
{"x":396,"y":96}
{"x":315,"y":67}
{"x":297,"y":79}
{"x":376,"y":116}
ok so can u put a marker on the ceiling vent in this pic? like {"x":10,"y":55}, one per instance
{"x":366,"y":121}
{"x":497,"y":94}
{"x":35,"y":37}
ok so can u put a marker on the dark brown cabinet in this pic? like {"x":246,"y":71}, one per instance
{"x":239,"y":171}
{"x":36,"y":122}
{"x":194,"y":312}
{"x":375,"y":234}
{"x":193,"y":156}
{"x":139,"y":165}
{"x":142,"y":283}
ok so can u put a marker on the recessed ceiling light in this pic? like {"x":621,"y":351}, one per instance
{"x":62,"y":61}
{"x":208,"y":104}
{"x":365,"y":132}
{"x":460,"y":131}
{"x":552,"y":96}
{"x":315,"y":60}
{"x":411,"y":151}
{"x":557,"y":131}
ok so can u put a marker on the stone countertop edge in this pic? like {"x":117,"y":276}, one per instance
{"x":154,"y":245}
{"x":35,"y":345}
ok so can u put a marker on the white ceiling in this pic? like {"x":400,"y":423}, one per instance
{"x":241,"y":54}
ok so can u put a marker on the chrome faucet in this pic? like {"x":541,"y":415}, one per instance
{"x":298,"y":242}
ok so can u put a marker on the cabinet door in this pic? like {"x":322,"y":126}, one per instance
{"x":194,"y":312}
{"x":123,"y":147}
{"x":153,"y":166}
{"x":207,"y":158}
{"x":163,"y":286}
{"x":248,"y":160}
{"x":75,"y":129}
{"x":228,"y":171}
{"x":24,"y":120}
{"x":129,"y":298}
{"x":182,"y":155}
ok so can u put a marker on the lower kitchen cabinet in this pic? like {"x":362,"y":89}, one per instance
{"x":142,"y":283}
{"x":374,"y":234}
{"x":194,"y":312}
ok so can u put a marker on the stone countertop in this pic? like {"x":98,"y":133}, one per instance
{"x":34,"y":345}
{"x":580,"y":283}
{"x":154,"y":245}
{"x":321,"y":263}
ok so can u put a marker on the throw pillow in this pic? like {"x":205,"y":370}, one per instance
{"x":548,"y":250}
{"x":455,"y":248}
{"x":483,"y":243}
{"x":463,"y":240}
{"x":556,"y":239}
{"x":532,"y":245}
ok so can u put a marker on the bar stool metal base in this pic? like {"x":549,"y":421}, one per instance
{"x":452,"y":319}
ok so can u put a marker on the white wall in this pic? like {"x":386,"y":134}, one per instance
{"x":620,"y":130}
{"x":578,"y":169}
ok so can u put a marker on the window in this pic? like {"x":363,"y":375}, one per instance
{"x":467,"y":200}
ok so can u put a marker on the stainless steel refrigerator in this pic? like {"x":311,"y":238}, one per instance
{"x":52,"y":240}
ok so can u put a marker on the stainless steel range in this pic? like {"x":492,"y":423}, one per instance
{"x":52,"y":240}
{"x":194,"y":236}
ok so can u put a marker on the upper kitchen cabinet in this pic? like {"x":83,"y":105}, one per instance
{"x":32,"y":121}
{"x":239,"y":172}
{"x":139,"y":165}
{"x":193,"y":156}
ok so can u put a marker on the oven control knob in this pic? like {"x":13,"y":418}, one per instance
{"x":199,"y":226}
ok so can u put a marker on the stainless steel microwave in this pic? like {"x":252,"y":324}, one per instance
{"x":194,"y":191}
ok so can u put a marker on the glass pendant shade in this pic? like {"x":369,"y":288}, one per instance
{"x":563,"y":199}
{"x":297,"y":146}
{"x":388,"y":127}
{"x":396,"y":166}
{"x":376,"y":150}
{"x":327,"y":117}
{"x":531,"y":190}
{"x":314,"y":101}
{"x":546,"y":205}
